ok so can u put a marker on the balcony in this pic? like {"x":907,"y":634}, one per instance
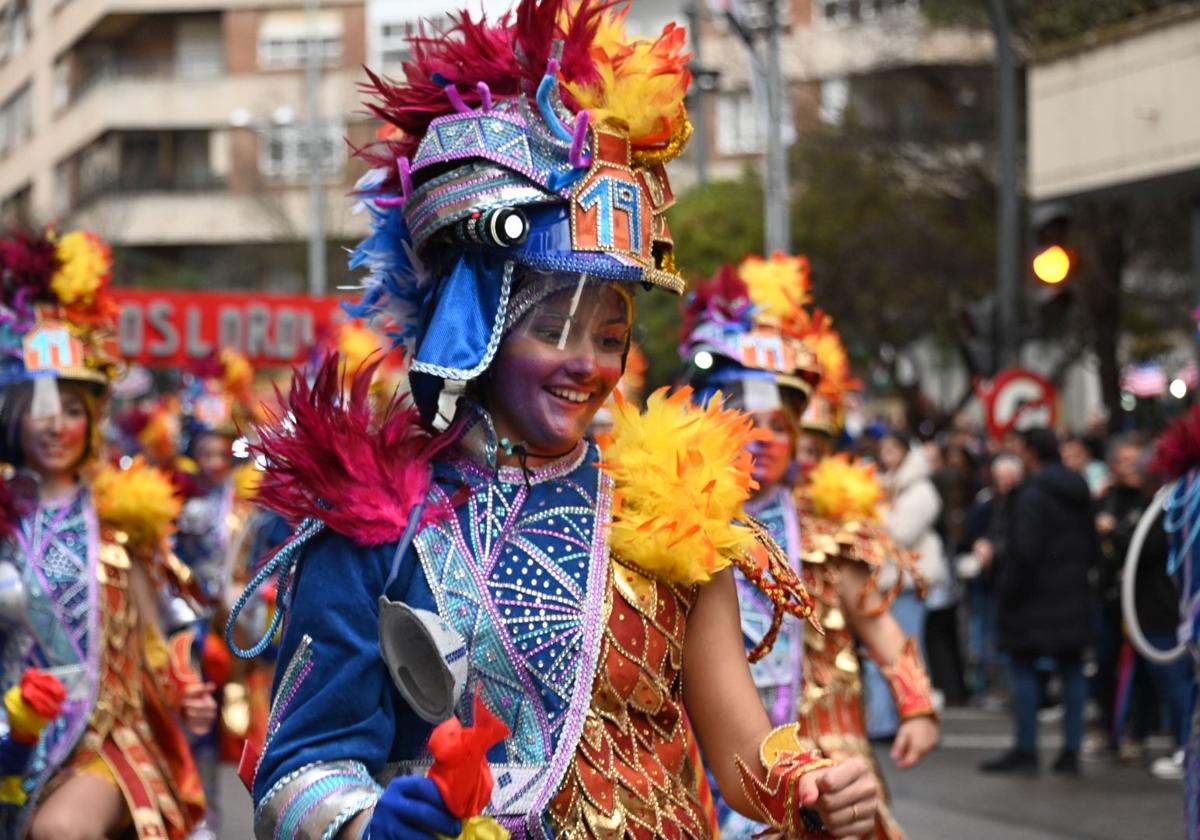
{"x":213,"y":217}
{"x":198,"y":68}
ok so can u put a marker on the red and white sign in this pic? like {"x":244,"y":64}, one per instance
{"x":173,"y":327}
{"x":1018,"y":399}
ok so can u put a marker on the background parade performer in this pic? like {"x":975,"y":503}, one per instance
{"x":751,"y":340}
{"x":514,"y":217}
{"x":84,"y":565}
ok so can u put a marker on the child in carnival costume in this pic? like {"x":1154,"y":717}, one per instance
{"x":83,"y":568}
{"x":481,"y":550}
{"x":751,"y":337}
{"x":217,"y":400}
{"x":1177,"y":459}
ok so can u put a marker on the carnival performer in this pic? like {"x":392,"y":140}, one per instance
{"x":588,"y":604}
{"x":751,"y":339}
{"x":83,"y":568}
{"x":1177,"y":459}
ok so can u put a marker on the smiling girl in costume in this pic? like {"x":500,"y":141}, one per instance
{"x":83,"y":567}
{"x":484,"y":548}
{"x":751,"y":338}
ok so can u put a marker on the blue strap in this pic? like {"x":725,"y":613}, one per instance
{"x":282,"y":563}
{"x":410,"y":531}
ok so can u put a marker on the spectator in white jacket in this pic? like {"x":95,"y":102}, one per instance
{"x":912,"y":512}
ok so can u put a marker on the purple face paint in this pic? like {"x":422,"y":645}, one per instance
{"x":556,"y":368}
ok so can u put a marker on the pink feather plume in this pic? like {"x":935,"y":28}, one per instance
{"x":1178,"y":448}
{"x":725,"y":294}
{"x":509,"y":54}
{"x":328,"y":457}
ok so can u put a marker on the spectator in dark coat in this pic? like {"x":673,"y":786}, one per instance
{"x":1045,"y":600}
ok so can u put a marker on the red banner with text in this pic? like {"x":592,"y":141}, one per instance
{"x":174,"y":327}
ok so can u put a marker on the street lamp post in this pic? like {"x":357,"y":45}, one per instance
{"x":769,"y":70}
{"x":1008,"y":233}
{"x":316,"y":186}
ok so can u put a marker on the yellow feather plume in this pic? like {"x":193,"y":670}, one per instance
{"x":826,"y":344}
{"x":642,"y":83}
{"x":845,"y":490}
{"x":85,"y":264}
{"x":139,"y":501}
{"x":779,"y":286}
{"x":682,"y":474}
{"x":237,"y":372}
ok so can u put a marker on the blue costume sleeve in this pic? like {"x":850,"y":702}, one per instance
{"x":333,"y":714}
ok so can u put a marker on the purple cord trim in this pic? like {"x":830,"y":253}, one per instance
{"x":456,"y":100}
{"x":485,"y":94}
{"x":552,"y":67}
{"x":580,"y":159}
{"x":404,"y":170}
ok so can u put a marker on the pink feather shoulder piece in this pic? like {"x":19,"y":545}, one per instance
{"x":329,"y":454}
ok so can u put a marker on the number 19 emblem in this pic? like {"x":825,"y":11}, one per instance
{"x":52,"y":347}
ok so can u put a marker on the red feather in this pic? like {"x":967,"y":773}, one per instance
{"x":509,"y":54}
{"x":327,"y":457}
{"x":726,"y":293}
{"x":28,"y":260}
{"x":1178,"y":449}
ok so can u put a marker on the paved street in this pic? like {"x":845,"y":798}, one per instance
{"x":947,"y":799}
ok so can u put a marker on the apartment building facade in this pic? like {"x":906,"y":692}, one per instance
{"x":179,"y":130}
{"x":880,"y":60}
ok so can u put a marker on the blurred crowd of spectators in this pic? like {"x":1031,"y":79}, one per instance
{"x":1022,"y":543}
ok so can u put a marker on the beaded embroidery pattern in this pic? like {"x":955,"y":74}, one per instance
{"x":777,"y":674}
{"x":520,"y":572}
{"x":55,"y":550}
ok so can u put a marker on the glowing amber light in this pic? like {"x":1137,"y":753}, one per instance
{"x":1052,"y":265}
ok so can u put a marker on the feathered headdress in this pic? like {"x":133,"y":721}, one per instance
{"x":218,"y":398}
{"x":532,"y":141}
{"x":57,"y":318}
{"x":825,"y":410}
{"x":1177,"y":451}
{"x":744,"y":325}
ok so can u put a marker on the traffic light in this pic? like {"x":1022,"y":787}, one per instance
{"x":1053,"y":260}
{"x":1052,"y":265}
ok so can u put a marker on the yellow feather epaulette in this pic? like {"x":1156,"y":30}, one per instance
{"x":845,"y":490}
{"x":682,"y":475}
{"x":246,"y":480}
{"x":139,"y":501}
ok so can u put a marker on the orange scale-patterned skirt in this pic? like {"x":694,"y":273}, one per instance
{"x":635,"y":774}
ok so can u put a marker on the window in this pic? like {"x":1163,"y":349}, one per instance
{"x":14,"y":29}
{"x":283,"y":39}
{"x":285,"y":151}
{"x":848,"y":12}
{"x":742,"y":121}
{"x":16,"y":121}
{"x":391,"y":39}
{"x":835,"y":96}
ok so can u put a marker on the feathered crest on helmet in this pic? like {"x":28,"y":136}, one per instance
{"x":60,"y":281}
{"x":1177,"y":450}
{"x":825,"y":342}
{"x":635,"y":84}
{"x":219,"y":397}
{"x":779,"y":287}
